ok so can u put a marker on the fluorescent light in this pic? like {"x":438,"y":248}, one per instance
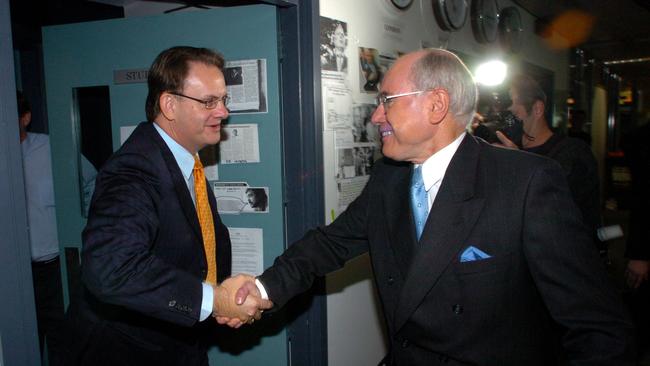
{"x":627,"y":61}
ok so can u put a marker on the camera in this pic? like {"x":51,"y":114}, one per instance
{"x":503,"y":121}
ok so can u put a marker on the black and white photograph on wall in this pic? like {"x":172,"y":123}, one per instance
{"x":233,"y":76}
{"x":246,"y":85}
{"x":239,"y":197}
{"x":240,"y":144}
{"x":364,"y":160}
{"x":355,"y":161}
{"x":333,"y":43}
{"x":362,"y":128}
{"x":257,"y":200}
{"x":354,"y":165}
{"x":370,"y":71}
{"x":337,"y":104}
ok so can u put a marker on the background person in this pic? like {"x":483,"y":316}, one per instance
{"x":43,"y":236}
{"x":575,"y":156}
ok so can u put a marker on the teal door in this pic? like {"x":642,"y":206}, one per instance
{"x":83,"y":57}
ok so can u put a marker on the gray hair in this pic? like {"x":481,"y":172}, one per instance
{"x":438,"y":68}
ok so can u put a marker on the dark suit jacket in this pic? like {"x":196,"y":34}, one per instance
{"x":143,"y":262}
{"x":512,"y":205}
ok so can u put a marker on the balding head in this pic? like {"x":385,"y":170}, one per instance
{"x":436,"y":68}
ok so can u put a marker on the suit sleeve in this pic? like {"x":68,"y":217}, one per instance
{"x":119,"y":266}
{"x":319,"y":252}
{"x":570,"y":276}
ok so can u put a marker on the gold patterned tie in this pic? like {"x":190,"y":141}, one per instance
{"x":205,"y":220}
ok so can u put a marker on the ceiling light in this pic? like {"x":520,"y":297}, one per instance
{"x":491,"y":73}
{"x":627,"y":61}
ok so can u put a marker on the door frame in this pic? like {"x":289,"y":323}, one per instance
{"x":18,"y":335}
{"x":302,"y":136}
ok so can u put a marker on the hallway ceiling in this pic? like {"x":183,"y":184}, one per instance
{"x":621,"y":31}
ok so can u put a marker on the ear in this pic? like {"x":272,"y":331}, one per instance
{"x":538,"y":108}
{"x":167,"y":103}
{"x":438,"y":104}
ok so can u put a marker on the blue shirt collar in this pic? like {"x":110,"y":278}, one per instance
{"x":183,"y":158}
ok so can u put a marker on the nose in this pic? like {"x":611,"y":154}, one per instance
{"x":221,"y":111}
{"x":379,"y":115}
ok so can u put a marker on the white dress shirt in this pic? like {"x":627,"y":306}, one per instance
{"x":434,"y":168}
{"x":39,"y":192}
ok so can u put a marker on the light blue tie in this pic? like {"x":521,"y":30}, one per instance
{"x":419,"y":201}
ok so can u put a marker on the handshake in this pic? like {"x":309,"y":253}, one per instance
{"x":238,"y":301}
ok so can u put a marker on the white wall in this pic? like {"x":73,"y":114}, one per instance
{"x":355,"y":329}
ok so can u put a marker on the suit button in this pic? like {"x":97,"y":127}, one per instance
{"x":172,"y":303}
{"x":457,"y":309}
{"x":391,"y":280}
{"x":405,"y":343}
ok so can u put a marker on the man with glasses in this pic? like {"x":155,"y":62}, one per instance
{"x":155,"y":251}
{"x":476,"y":250}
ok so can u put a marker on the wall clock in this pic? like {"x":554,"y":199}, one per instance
{"x":485,"y":20}
{"x":510,"y":29}
{"x":401,"y":4}
{"x":450,"y":14}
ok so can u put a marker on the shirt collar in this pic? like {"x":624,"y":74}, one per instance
{"x":183,"y":158}
{"x":434,"y":168}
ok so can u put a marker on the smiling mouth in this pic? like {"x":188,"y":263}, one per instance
{"x":385,"y":130}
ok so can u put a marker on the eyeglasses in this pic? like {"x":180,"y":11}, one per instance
{"x":386,"y":100}
{"x":211,"y":103}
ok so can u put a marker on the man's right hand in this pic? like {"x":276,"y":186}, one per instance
{"x":235,"y":313}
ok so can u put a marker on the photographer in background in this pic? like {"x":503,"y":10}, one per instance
{"x":574,"y":155}
{"x":498,"y":118}
{"x":43,"y":237}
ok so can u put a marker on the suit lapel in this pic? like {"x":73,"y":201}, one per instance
{"x":453,"y":214}
{"x":178,"y":181}
{"x":401,"y":228}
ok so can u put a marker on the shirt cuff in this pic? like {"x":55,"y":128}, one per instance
{"x":206,"y":302}
{"x":260,"y":287}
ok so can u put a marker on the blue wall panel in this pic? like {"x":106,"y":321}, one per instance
{"x":86,"y":54}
